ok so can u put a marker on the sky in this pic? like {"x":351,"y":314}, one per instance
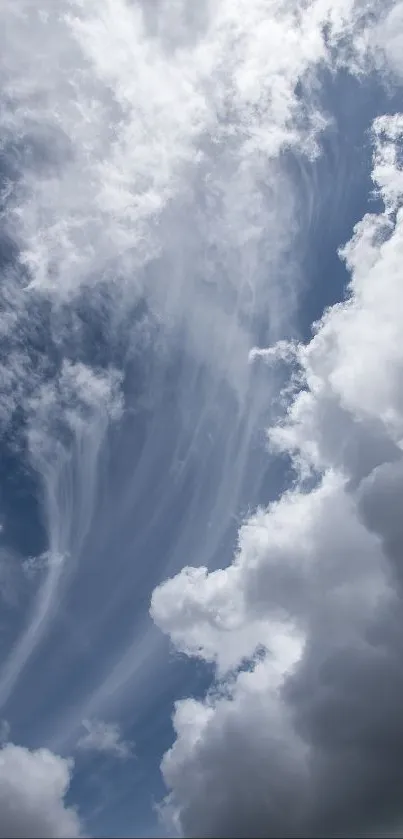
{"x":201,"y":418}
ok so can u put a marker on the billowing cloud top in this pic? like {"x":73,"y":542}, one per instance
{"x":307,"y":741}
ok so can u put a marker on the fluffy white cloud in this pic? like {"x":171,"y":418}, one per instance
{"x":222,"y":93}
{"x":307,"y":742}
{"x":104,"y":737}
{"x":33,"y":786}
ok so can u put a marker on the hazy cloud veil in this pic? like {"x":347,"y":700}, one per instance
{"x":160,"y":199}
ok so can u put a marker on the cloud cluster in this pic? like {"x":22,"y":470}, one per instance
{"x":144,"y":150}
{"x":307,"y":740}
{"x":161,"y":116}
{"x":143,"y":160}
{"x":33,"y":786}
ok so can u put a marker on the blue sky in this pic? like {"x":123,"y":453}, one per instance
{"x":191,"y":536}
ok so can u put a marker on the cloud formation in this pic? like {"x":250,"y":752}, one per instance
{"x":105,"y":738}
{"x":155,"y":179}
{"x":307,"y":740}
{"x":33,"y":786}
{"x":67,"y":422}
{"x":148,"y":209}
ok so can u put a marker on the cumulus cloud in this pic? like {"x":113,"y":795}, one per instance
{"x":68,"y":418}
{"x":307,"y":741}
{"x":105,"y":738}
{"x":33,"y":787}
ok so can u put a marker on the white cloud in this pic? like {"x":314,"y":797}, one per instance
{"x":79,"y":401}
{"x":146,"y":110}
{"x":114,"y":124}
{"x":353,"y":364}
{"x":309,"y":742}
{"x":33,"y":786}
{"x":68,"y":420}
{"x":146,"y":141}
{"x":388,"y":37}
{"x":104,"y":737}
